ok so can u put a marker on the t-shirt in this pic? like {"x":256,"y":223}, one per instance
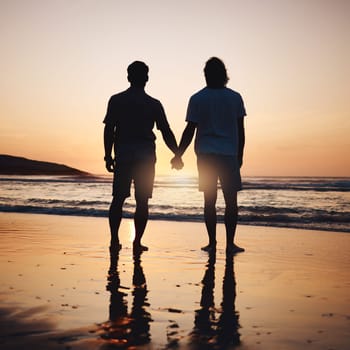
{"x":133,"y":113}
{"x":215,"y":111}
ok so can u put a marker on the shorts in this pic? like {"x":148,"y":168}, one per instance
{"x":141,"y":173}
{"x":212,"y":167}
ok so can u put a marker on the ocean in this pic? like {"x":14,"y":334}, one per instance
{"x":308,"y":202}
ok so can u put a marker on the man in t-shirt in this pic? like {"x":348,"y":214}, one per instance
{"x":130,"y":119}
{"x":216,"y":113}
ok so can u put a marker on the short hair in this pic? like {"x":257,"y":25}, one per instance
{"x":215,"y":73}
{"x":137,"y":72}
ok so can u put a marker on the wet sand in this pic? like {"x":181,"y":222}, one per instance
{"x":60,"y":289}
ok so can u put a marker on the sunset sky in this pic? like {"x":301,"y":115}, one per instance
{"x":61,"y":60}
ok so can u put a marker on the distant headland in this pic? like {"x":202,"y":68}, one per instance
{"x":10,"y":165}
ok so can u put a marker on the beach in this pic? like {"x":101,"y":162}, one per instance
{"x":60,"y":289}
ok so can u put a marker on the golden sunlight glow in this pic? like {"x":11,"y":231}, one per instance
{"x":61,"y":65}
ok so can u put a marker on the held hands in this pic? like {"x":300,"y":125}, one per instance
{"x":110,"y":164}
{"x":177,"y":163}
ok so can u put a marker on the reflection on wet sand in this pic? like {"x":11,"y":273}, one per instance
{"x":125,"y":329}
{"x":217,"y":328}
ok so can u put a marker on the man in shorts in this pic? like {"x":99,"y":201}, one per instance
{"x":217,"y":114}
{"x":130,"y":119}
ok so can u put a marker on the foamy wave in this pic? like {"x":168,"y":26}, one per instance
{"x":321,"y":203}
{"x":279,"y":218}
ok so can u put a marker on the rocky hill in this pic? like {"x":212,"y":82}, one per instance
{"x":10,"y":165}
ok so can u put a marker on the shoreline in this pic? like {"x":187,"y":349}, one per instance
{"x":289,"y":290}
{"x":182,"y":219}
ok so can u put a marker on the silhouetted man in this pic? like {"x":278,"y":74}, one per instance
{"x":216,"y":112}
{"x":130,"y":119}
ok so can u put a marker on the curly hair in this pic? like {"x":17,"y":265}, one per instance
{"x":215,"y":73}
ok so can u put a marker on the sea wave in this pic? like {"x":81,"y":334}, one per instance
{"x":298,"y":184}
{"x":280,"y":217}
{"x":256,"y":183}
{"x":47,"y":179}
{"x":315,"y":203}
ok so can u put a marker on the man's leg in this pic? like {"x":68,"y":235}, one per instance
{"x":143,"y":182}
{"x":207,"y":179}
{"x":140,"y":221}
{"x":231,"y":216}
{"x":121,"y":190}
{"x":115,"y":217}
{"x":210,"y":218}
{"x":230,"y":180}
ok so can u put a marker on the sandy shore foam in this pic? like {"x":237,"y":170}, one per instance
{"x":289,"y":290}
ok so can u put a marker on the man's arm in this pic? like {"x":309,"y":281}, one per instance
{"x":186,"y":138}
{"x":241,"y":140}
{"x":169,"y":139}
{"x":108,"y":138}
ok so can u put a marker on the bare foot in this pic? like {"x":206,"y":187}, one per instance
{"x":209,"y":248}
{"x":234,"y":249}
{"x":139,"y":248}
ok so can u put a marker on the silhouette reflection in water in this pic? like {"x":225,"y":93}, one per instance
{"x":125,"y":330}
{"x":217,"y":328}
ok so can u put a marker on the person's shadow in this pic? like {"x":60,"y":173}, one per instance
{"x":123,"y":329}
{"x":217,"y":328}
